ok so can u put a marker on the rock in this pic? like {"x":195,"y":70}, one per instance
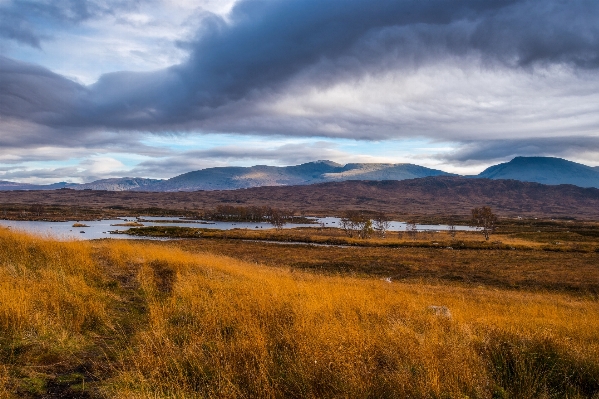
{"x":441,"y":311}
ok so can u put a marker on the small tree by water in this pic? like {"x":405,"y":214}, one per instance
{"x":485,"y":220}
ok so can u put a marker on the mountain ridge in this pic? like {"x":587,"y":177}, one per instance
{"x":544,"y":170}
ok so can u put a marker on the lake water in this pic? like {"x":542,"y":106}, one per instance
{"x":102,"y":228}
{"x":399,"y":226}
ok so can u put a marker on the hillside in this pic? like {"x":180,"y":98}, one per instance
{"x":118,"y":184}
{"x":544,"y":170}
{"x":381,"y":171}
{"x":236,"y":177}
{"x":438,"y":195}
{"x":9,"y":185}
{"x":230,"y":178}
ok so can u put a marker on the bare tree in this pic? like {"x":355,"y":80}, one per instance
{"x":381,"y":224}
{"x":278,"y":218}
{"x":451,"y":228}
{"x":366,"y":229}
{"x":411,"y":229}
{"x":485,"y":219}
{"x":354,"y":223}
{"x":347,"y":224}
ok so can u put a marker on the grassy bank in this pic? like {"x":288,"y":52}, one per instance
{"x":532,"y":270}
{"x":147,"y":320}
{"x":518,"y":240}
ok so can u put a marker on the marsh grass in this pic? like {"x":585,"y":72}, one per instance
{"x":153,"y":320}
{"x":539,"y":270}
{"x":529,"y":241}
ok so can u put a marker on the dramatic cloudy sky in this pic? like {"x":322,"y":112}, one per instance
{"x":108,"y":88}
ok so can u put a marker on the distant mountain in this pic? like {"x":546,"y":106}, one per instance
{"x":9,"y":186}
{"x":229,"y":178}
{"x":382,"y":171}
{"x":545,"y":170}
{"x":119,"y":184}
{"x":233,"y":177}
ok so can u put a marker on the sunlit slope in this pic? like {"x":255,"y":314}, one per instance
{"x":228,"y":178}
{"x":150,"y":320}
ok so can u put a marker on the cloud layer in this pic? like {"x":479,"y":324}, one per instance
{"x":21,"y":20}
{"x":465,"y":71}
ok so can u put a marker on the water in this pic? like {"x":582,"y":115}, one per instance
{"x":65,"y":230}
{"x":398,"y":226}
{"x":102,"y":228}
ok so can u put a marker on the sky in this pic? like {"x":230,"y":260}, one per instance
{"x":93,"y":89}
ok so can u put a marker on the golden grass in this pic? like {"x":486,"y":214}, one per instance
{"x":232,"y":331}
{"x":50,"y":301}
{"x":567,"y":271}
{"x":213,"y":326}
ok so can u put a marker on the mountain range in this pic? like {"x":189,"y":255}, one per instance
{"x":545,"y":170}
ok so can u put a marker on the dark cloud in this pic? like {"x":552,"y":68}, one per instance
{"x":542,"y":31}
{"x":485,"y":150}
{"x":236,"y":65}
{"x":32,"y":93}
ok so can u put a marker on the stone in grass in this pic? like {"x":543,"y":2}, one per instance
{"x":441,"y":311}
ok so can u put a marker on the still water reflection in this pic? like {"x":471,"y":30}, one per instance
{"x":101,"y":228}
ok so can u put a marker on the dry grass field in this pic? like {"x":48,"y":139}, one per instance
{"x":533,"y":270}
{"x":163,"y":320}
{"x":555,"y":256}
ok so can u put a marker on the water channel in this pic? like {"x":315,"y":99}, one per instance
{"x":96,"y":229}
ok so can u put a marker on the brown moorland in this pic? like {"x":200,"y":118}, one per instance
{"x":432,"y":196}
{"x":532,"y":255}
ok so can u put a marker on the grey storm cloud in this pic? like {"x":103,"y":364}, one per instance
{"x":264,"y":45}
